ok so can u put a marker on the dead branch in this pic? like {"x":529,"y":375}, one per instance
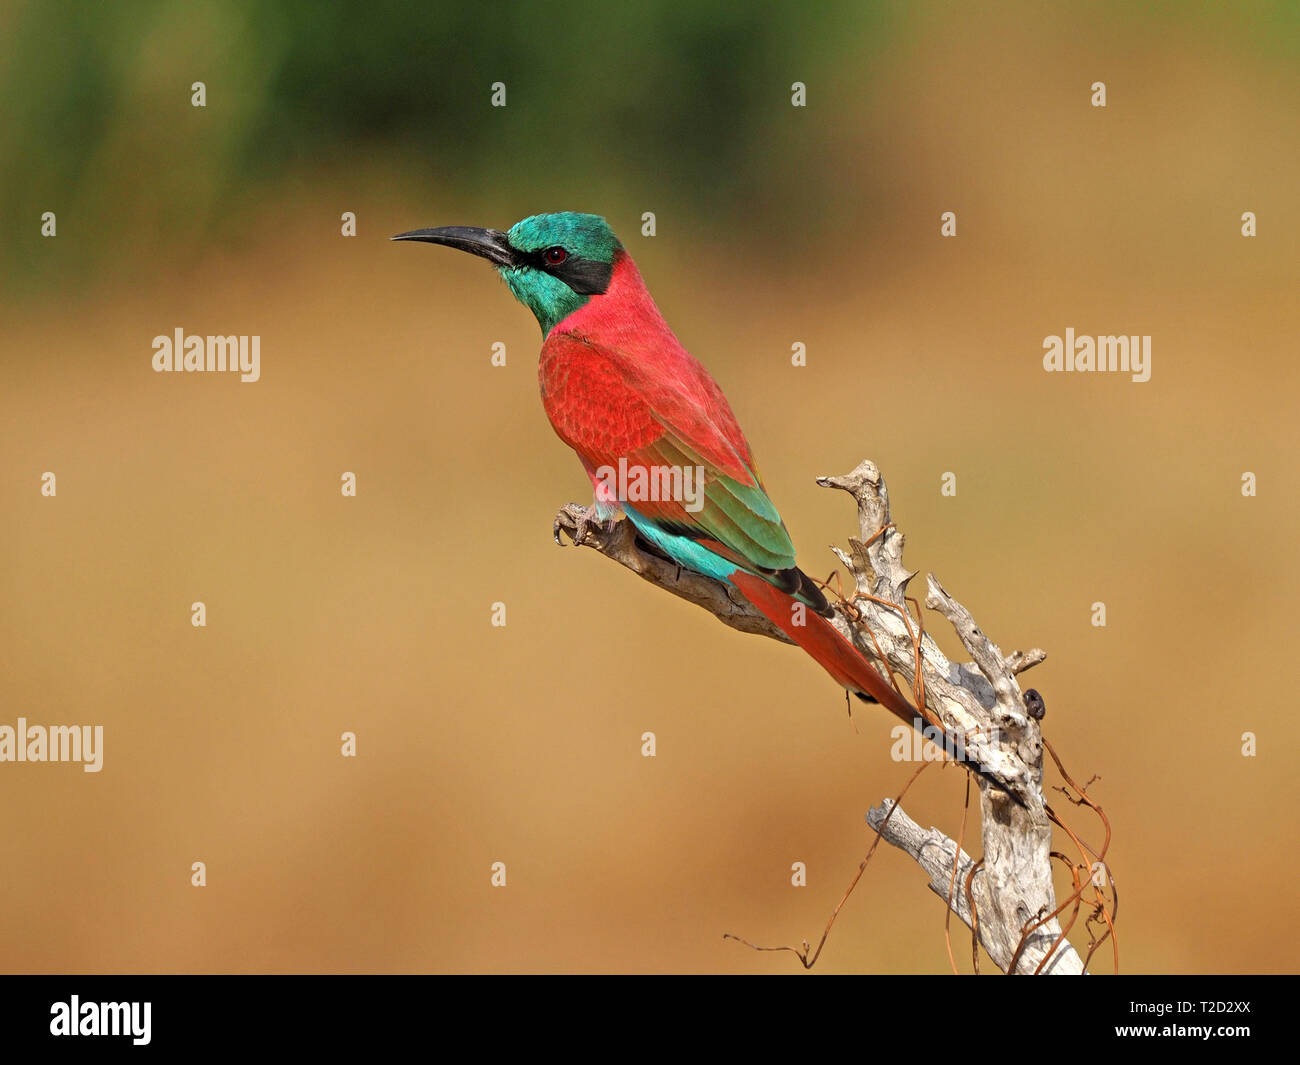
{"x":979,"y":703}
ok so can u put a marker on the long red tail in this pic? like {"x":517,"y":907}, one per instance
{"x":843,"y":661}
{"x":823,"y":641}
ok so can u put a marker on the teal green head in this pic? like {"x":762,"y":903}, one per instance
{"x":553,"y":263}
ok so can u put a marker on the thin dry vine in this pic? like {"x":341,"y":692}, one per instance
{"x":976,"y":709}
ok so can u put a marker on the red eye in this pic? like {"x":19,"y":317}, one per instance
{"x":555,"y":256}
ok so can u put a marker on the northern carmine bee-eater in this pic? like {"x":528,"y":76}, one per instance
{"x":620,"y":390}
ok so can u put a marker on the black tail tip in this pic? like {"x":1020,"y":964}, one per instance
{"x":813,"y":595}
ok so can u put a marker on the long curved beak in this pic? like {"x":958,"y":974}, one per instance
{"x":491,"y":244}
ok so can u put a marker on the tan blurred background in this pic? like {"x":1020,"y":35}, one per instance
{"x":479,"y":744}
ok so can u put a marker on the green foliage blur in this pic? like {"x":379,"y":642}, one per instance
{"x":681,"y":105}
{"x":640,"y":101}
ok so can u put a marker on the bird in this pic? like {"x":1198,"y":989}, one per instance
{"x":621,"y":391}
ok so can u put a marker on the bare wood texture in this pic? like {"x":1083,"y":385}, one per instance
{"x":979,"y":703}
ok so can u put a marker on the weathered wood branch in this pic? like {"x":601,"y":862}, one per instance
{"x":979,"y":702}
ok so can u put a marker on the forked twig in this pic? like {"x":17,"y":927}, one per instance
{"x":979,"y":701}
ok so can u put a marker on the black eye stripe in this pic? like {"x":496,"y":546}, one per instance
{"x":587,"y":277}
{"x":537,"y":259}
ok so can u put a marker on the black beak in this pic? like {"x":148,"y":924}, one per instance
{"x":491,"y":244}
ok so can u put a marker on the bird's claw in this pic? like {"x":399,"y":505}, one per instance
{"x":577,"y":520}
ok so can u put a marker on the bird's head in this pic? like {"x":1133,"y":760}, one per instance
{"x":553,"y":263}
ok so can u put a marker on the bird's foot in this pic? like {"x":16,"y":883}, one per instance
{"x":577,"y":521}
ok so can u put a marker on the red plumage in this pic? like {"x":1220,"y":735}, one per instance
{"x":617,"y":384}
{"x":614,"y":379}
{"x":823,"y":642}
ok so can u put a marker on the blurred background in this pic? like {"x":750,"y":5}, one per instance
{"x":775,"y":225}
